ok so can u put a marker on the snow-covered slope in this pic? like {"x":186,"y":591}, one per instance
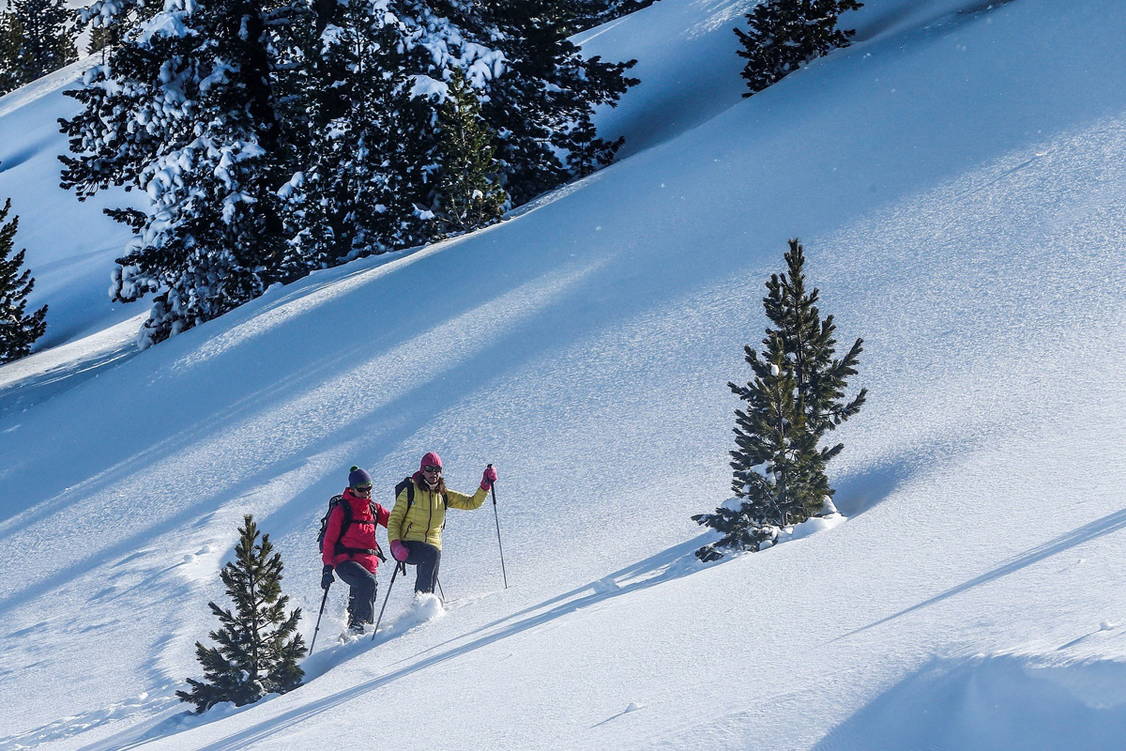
{"x":957,"y":179}
{"x":71,"y":246}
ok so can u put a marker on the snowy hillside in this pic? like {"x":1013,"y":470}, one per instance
{"x":957,"y":178}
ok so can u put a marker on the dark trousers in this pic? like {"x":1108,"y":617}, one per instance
{"x":361,"y":591}
{"x":427,"y":558}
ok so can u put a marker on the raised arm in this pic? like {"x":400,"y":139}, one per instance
{"x":470,"y":502}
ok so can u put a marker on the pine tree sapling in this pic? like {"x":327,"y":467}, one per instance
{"x":17,"y":331}
{"x":784,"y":35}
{"x":796,"y":396}
{"x":258,"y":643}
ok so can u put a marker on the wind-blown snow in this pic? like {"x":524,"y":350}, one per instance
{"x":957,"y":179}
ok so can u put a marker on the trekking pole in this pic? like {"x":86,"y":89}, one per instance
{"x":318,"y":628}
{"x":398,"y":565}
{"x":441,"y":591}
{"x":496,"y":516}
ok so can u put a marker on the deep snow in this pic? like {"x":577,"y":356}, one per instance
{"x":957,"y":179}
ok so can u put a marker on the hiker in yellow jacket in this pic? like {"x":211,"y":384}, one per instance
{"x":415,"y":526}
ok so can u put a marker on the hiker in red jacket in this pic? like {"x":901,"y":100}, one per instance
{"x":349,"y":547}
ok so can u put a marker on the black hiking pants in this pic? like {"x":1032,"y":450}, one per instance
{"x":427,"y":558}
{"x":361,"y":591}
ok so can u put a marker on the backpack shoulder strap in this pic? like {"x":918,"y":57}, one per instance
{"x":406,"y":483}
{"x":346,"y":509}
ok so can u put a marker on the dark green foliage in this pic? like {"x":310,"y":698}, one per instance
{"x":258,"y":643}
{"x":10,"y":31}
{"x":784,"y":35}
{"x":35,"y":39}
{"x":470,"y":195}
{"x":577,"y":15}
{"x":364,"y":158}
{"x":109,"y":21}
{"x":542,"y":106}
{"x":211,"y":156}
{"x":17,"y":331}
{"x":796,"y":397}
{"x":274,"y":137}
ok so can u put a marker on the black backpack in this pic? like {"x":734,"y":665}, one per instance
{"x":347,"y":509}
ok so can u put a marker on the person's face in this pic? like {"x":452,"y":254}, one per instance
{"x":362,"y":490}
{"x":431,"y":472}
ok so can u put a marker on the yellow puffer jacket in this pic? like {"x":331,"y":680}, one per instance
{"x":427,"y":515}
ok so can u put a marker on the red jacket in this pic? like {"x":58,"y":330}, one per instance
{"x":359,"y":534}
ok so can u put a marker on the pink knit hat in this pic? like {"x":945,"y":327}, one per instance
{"x":431,"y":458}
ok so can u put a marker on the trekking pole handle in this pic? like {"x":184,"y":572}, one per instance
{"x":490,"y":466}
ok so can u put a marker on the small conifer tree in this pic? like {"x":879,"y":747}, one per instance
{"x":784,"y":35}
{"x":796,"y":396}
{"x":258,"y":643}
{"x":17,"y":331}
{"x":471,"y":196}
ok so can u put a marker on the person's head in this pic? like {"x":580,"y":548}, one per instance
{"x":359,"y":481}
{"x":430,"y":468}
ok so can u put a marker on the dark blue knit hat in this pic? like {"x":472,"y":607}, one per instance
{"x":358,"y":478}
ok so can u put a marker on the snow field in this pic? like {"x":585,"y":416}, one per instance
{"x":955,"y":177}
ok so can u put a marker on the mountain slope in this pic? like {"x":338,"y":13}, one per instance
{"x":957,"y":183}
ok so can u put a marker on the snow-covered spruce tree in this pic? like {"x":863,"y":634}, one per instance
{"x":17,"y":331}
{"x":338,"y":144}
{"x":536,"y":92}
{"x":541,"y":106}
{"x":185,"y":111}
{"x":361,"y":167}
{"x":259,"y":646}
{"x":37,"y":40}
{"x":470,"y":196}
{"x":784,"y":35}
{"x":796,"y":397}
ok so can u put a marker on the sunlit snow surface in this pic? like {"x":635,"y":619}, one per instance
{"x":958,"y":181}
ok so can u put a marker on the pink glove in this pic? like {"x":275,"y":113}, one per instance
{"x":399,"y":551}
{"x":488,"y":478}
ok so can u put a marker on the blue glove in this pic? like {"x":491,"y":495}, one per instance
{"x":326,"y":577}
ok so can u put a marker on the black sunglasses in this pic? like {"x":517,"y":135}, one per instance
{"x":363,"y":488}
{"x":431,"y":468}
